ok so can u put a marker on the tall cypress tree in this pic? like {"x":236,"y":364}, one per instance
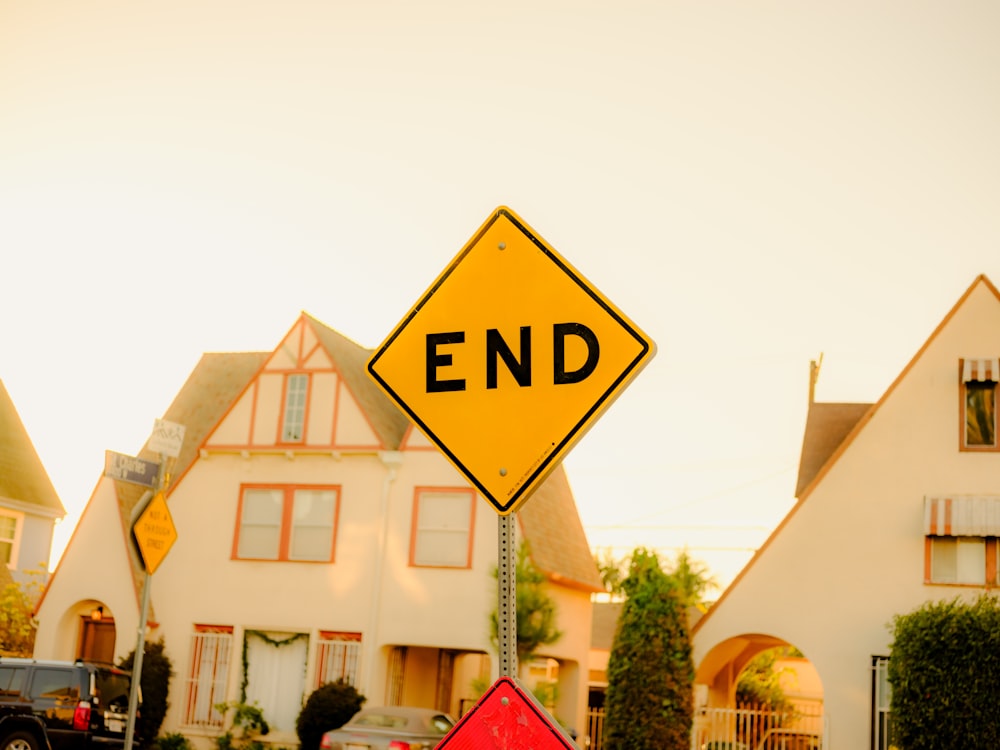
{"x":649,"y":701}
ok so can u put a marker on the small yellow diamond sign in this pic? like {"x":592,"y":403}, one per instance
{"x":155,"y":533}
{"x":507,"y":359}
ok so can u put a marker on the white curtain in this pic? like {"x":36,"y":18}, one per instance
{"x":276,"y":676}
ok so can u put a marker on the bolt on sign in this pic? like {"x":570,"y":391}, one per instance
{"x":508,"y":358}
{"x":507,"y":717}
{"x":154,"y":532}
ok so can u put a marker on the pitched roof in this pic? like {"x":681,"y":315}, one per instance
{"x":551,"y":525}
{"x":22,"y":476}
{"x":351,"y":359}
{"x":826,"y":427}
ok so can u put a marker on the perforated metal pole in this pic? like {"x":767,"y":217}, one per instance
{"x":507,"y":595}
{"x":140,"y":646}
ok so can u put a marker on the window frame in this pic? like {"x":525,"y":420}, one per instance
{"x":13,"y":541}
{"x":963,"y":415}
{"x":990,"y":572}
{"x":299,"y":412}
{"x":420,"y":493}
{"x":287,"y":525}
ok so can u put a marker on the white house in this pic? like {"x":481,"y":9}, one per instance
{"x":29,"y":505}
{"x":319,"y":536}
{"x":898,"y":504}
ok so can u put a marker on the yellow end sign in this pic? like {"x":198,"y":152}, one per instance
{"x":508,"y":358}
{"x":155,"y":532}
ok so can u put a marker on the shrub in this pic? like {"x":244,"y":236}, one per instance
{"x":328,"y":707}
{"x":249,"y":719}
{"x":649,"y":701}
{"x":155,"y":685}
{"x":944,"y":668}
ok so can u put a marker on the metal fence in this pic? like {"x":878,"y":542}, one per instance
{"x":594,"y":736}
{"x":801,"y":728}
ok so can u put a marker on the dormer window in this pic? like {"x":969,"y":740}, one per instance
{"x":294,"y":421}
{"x":979,"y":396}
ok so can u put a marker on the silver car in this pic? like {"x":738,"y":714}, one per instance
{"x":390,"y":728}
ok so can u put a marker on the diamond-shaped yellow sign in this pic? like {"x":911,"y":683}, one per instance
{"x":508,"y":358}
{"x":155,"y":532}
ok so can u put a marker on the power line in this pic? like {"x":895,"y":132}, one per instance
{"x":678,"y":527}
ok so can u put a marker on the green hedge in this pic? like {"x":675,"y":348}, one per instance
{"x":649,"y":699}
{"x":944,"y":669}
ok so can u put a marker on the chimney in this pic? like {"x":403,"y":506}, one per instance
{"x":814,"y":376}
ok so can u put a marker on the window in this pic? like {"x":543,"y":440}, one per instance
{"x":8,"y":538}
{"x":961,"y":535}
{"x":442,"y":528}
{"x":337,"y":657}
{"x":979,"y":395}
{"x":211,"y":646}
{"x":881,"y":700}
{"x":11,"y":682}
{"x":58,"y":684}
{"x":286,"y":523}
{"x":958,"y":559}
{"x":293,"y":424}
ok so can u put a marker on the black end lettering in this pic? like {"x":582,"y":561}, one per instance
{"x":495,"y":345}
{"x":559,"y":333}
{"x":436,"y":360}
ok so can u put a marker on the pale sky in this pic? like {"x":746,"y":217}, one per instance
{"x":754,"y":184}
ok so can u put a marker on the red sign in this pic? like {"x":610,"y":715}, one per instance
{"x":507,"y":718}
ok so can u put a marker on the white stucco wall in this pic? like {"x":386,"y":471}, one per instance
{"x":851,"y":556}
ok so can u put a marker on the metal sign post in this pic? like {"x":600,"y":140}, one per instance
{"x":507,"y":595}
{"x":140,"y":647}
{"x":133,"y":695}
{"x":153,"y":542}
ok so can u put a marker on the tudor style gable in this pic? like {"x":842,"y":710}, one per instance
{"x":299,"y":400}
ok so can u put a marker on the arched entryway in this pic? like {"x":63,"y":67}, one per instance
{"x":787,"y":710}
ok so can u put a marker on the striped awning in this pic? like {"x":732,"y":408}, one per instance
{"x":980,"y":369}
{"x":962,"y":515}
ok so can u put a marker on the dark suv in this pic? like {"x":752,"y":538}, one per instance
{"x":62,"y":705}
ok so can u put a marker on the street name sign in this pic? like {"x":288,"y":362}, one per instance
{"x":507,"y":717}
{"x":130,"y":469}
{"x":508,"y":358}
{"x":155,"y":532}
